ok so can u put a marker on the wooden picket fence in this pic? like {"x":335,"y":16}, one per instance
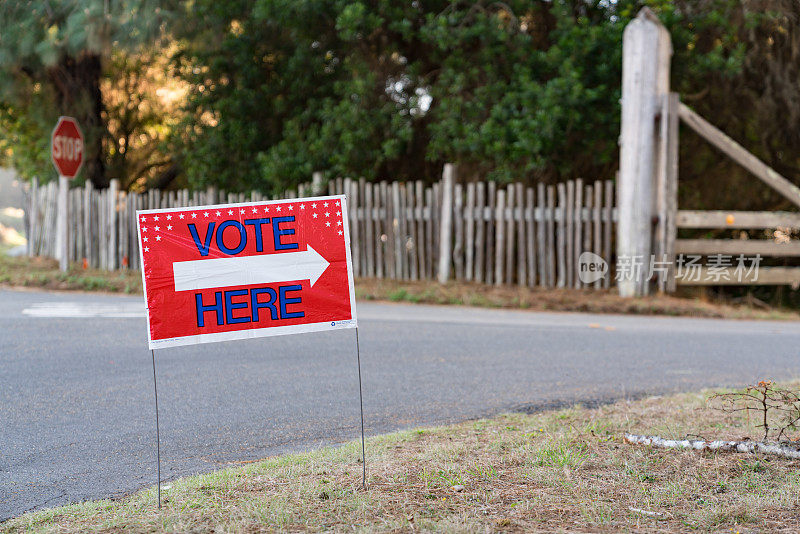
{"x":499,"y":234}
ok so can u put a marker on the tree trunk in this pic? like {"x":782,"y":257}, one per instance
{"x":165,"y":177}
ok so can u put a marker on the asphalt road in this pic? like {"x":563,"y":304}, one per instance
{"x":76,"y":382}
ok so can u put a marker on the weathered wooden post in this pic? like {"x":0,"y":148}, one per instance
{"x":211,"y":195}
{"x":33,"y":217}
{"x":61,"y":223}
{"x":113,"y":190}
{"x":316,"y":183}
{"x":87,"y":222}
{"x":667,"y":196}
{"x":446,"y":224}
{"x":646,"y":53}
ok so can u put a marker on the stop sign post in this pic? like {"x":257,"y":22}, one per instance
{"x":66,"y":149}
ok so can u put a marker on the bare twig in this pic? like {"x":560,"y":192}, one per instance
{"x":778,"y":409}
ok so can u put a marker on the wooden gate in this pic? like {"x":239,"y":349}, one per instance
{"x":753,"y":248}
{"x":649,"y":218}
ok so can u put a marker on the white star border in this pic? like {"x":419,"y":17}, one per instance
{"x":327,"y":210}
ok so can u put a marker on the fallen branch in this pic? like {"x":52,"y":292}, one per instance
{"x":752,"y":447}
{"x":659,"y":515}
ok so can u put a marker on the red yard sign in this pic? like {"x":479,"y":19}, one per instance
{"x":237,"y":271}
{"x":66,"y":147}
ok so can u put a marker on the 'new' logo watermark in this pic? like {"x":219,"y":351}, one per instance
{"x":591,"y":267}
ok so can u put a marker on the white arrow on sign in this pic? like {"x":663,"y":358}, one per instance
{"x":247,"y":270}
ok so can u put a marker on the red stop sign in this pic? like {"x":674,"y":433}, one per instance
{"x":66,"y":147}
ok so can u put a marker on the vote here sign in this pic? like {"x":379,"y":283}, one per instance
{"x":237,"y":271}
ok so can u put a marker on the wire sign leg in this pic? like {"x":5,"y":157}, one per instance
{"x":361,"y":402}
{"x":158,"y":437}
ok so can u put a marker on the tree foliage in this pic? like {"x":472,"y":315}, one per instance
{"x":258,"y":94}
{"x":521,"y":90}
{"x":392,"y":90}
{"x":748,"y":88}
{"x":54,"y":57}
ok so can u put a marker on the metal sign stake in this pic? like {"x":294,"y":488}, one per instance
{"x":361,"y":403}
{"x":158,"y":437}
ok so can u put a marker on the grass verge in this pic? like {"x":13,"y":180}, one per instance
{"x":570,"y":300}
{"x":43,"y":273}
{"x":565,"y":470}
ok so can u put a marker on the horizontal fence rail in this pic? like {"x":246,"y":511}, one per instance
{"x":707,"y":219}
{"x":500,"y":234}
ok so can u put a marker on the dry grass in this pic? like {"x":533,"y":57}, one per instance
{"x":563,"y":471}
{"x":43,"y":273}
{"x":574,"y":300}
